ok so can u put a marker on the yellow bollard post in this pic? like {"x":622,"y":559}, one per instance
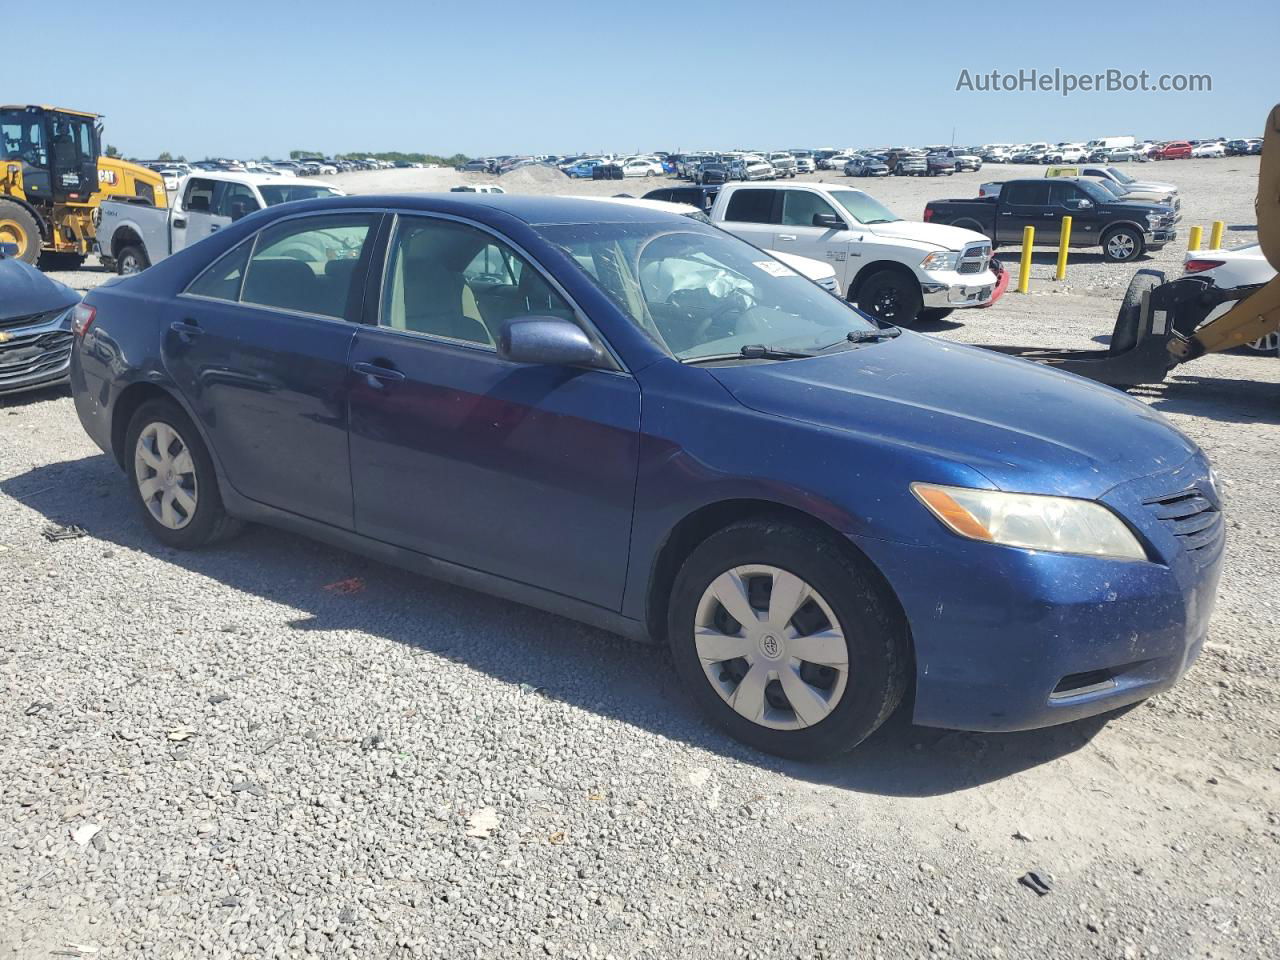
{"x":1024,"y":272}
{"x":1215,"y":237}
{"x":1193,"y":241}
{"x":1062,"y":249}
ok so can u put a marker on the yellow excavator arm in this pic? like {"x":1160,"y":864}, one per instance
{"x":1258,"y":314}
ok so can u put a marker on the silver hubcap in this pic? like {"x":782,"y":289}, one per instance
{"x":1121,"y":245}
{"x":166,"y":475}
{"x":771,"y":646}
{"x":130,"y":265}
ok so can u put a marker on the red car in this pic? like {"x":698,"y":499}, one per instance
{"x":1174,"y":150}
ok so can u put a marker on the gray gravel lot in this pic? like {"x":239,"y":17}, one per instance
{"x":241,"y":752}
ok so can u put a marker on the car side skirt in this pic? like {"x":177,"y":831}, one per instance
{"x":609,"y":620}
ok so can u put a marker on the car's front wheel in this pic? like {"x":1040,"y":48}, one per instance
{"x":1122,"y":245}
{"x":173,"y":478}
{"x":785,"y":640}
{"x":892,"y":296}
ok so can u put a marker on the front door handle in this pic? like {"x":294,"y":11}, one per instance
{"x":786,"y":236}
{"x":377,"y":375}
{"x":179,"y":223}
{"x":213,"y":228}
{"x":187,"y":330}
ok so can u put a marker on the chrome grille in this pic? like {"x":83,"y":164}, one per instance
{"x":1193,"y":520}
{"x":974,"y":258}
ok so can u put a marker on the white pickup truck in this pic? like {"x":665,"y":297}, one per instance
{"x":131,"y":237}
{"x":899,"y":270}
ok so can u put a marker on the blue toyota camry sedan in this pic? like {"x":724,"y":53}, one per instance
{"x":638,"y":421}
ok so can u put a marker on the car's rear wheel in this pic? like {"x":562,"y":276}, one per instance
{"x":173,"y":478}
{"x":785,"y":641}
{"x":131,"y":260}
{"x":890,"y":296}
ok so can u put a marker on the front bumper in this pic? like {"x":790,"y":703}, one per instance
{"x":37,"y":354}
{"x":1159,"y":238}
{"x":949,"y":289}
{"x":1024,"y":639}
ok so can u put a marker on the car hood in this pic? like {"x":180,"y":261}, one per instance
{"x":939,"y":234}
{"x":24,"y":290}
{"x":1024,"y":426}
{"x":1155,"y":186}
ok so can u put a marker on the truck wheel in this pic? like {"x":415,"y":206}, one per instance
{"x":890,"y":296}
{"x":18,"y":226}
{"x":131,"y":260}
{"x":1121,"y":244}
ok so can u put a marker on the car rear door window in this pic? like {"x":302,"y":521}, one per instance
{"x":751,"y":206}
{"x":1027,"y":193}
{"x":447,"y":279}
{"x":308,"y":264}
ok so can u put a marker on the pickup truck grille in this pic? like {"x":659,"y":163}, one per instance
{"x":1194,"y":520}
{"x":974,"y":258}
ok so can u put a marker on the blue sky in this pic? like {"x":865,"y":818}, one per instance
{"x":246,"y":79}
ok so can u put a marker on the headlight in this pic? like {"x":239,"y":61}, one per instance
{"x":1155,"y":219}
{"x":1055,"y":524}
{"x":942,"y":260}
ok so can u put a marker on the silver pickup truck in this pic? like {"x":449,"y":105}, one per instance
{"x":131,"y":236}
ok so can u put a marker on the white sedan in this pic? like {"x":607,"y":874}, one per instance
{"x":642,"y":168}
{"x":1237,"y":267}
{"x":1209,"y":150}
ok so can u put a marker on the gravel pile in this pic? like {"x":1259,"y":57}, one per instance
{"x":276,"y":749}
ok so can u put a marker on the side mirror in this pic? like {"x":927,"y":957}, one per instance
{"x":546,"y":340}
{"x":1079,"y":203}
{"x":829,"y":220}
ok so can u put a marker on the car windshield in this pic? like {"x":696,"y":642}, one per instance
{"x":1121,"y":175}
{"x":287,"y":192}
{"x":701,"y":293}
{"x":862,"y":207}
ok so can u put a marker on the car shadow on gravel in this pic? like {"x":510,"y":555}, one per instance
{"x":1216,"y":398}
{"x":328,"y":589}
{"x":12,"y":401}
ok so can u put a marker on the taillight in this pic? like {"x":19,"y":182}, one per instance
{"x":928,"y":214}
{"x":1195,"y":266}
{"x":82,"y":317}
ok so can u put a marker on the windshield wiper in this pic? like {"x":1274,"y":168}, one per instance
{"x":752,"y":351}
{"x":871,"y":336}
{"x":865,"y":336}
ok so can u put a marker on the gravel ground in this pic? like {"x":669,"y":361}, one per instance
{"x":276,"y":749}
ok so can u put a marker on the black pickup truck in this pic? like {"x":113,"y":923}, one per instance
{"x":1125,"y":229}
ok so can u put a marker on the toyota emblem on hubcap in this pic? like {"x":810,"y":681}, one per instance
{"x":770,"y":646}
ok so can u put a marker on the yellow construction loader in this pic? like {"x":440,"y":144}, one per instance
{"x":1163,"y":324}
{"x":52,"y":178}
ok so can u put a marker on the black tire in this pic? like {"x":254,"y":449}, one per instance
{"x":875,"y":635}
{"x":933,"y":314}
{"x":128,"y":258}
{"x":17,"y":225}
{"x":210,"y":521}
{"x":1123,"y":253}
{"x":891,"y":296}
{"x":1125,"y":335}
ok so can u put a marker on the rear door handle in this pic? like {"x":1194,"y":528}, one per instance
{"x":179,"y":223}
{"x":786,"y":236}
{"x":377,"y":374}
{"x":213,"y":228}
{"x":187,"y":330}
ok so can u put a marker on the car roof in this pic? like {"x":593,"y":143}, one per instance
{"x":533,"y":209}
{"x":244,"y":176}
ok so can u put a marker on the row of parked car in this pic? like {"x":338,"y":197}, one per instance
{"x":1117,"y":150}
